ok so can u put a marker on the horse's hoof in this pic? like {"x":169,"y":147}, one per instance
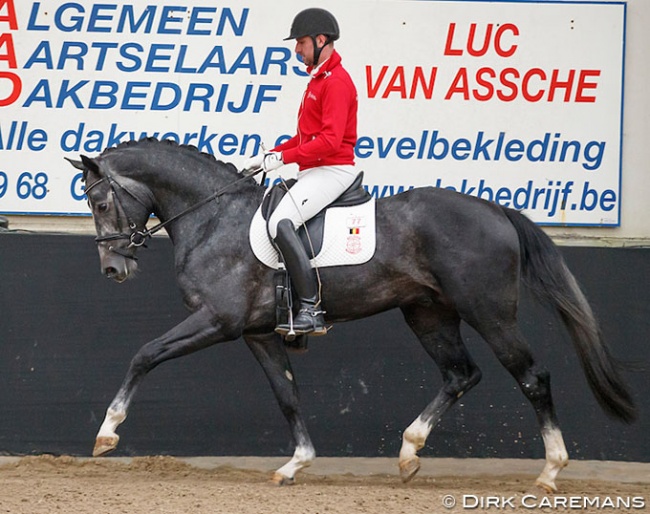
{"x":408,"y":468}
{"x":548,"y":487}
{"x":279,"y":479}
{"x":104,"y":445}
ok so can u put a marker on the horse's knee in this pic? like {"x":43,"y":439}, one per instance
{"x":459,"y":383}
{"x":144,"y":360}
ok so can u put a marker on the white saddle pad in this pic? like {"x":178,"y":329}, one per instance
{"x":348,"y":238}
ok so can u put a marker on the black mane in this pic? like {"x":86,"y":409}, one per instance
{"x":152,"y":141}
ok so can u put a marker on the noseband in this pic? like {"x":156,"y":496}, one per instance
{"x":138,"y":238}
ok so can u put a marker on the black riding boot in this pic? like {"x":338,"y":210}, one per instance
{"x":310,"y":317}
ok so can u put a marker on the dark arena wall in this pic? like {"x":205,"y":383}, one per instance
{"x":67,"y":335}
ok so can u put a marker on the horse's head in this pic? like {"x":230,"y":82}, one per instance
{"x":120,"y":207}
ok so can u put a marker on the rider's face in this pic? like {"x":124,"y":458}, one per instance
{"x":305,"y":48}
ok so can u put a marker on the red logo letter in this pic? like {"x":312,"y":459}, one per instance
{"x":17,"y":88}
{"x":11,"y":14}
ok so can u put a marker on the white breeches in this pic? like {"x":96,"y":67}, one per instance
{"x":316,"y":189}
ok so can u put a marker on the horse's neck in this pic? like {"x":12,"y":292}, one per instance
{"x":233,"y":208}
{"x":175,"y":191}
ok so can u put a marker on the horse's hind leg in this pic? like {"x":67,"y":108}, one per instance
{"x":272,"y":356}
{"x":513,"y":352}
{"x":438,"y":329}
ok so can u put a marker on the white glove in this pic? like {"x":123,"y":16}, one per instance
{"x":253,"y":164}
{"x":263,"y":161}
{"x":272,"y":161}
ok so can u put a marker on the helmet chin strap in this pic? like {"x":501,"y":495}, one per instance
{"x":317,"y":50}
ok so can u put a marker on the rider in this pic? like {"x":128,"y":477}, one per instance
{"x":323,"y":148}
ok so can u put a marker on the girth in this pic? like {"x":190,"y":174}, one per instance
{"x":353,"y":195}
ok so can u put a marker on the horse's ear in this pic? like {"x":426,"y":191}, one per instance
{"x":77,"y":164}
{"x":86,"y":163}
{"x":90,"y":164}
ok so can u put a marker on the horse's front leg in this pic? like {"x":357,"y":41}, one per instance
{"x":271,"y":354}
{"x":196,"y":332}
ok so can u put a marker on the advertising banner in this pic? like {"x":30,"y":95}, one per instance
{"x":519,"y":103}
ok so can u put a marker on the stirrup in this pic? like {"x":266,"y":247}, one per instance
{"x":289,"y":333}
{"x":309,"y":326}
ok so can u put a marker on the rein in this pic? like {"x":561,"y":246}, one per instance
{"x":138,"y":238}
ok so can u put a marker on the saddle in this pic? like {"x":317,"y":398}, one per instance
{"x":314,"y":228}
{"x":342,"y":234}
{"x":312,"y":235}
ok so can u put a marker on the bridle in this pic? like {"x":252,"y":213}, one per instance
{"x":138,"y":238}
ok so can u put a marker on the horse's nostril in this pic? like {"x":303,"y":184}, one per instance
{"x":110,"y":271}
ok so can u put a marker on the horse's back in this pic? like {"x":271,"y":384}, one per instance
{"x":446,"y":218}
{"x":463,"y":247}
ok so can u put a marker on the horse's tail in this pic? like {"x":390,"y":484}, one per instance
{"x":546,"y":274}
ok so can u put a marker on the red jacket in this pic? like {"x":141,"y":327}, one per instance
{"x":327,"y":120}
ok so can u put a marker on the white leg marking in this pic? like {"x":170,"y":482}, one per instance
{"x":413,"y":439}
{"x":107,"y":439}
{"x":556,"y":457}
{"x":302,"y":458}
{"x":111,"y":422}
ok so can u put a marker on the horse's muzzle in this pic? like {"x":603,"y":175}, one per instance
{"x":114,"y":274}
{"x":116,"y":266}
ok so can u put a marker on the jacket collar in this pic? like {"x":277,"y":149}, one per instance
{"x":325,"y":67}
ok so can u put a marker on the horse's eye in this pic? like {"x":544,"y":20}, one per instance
{"x":102,"y":207}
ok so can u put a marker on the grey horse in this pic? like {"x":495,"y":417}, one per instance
{"x":441,"y":258}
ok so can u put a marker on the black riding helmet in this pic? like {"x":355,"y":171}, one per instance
{"x":312,"y":22}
